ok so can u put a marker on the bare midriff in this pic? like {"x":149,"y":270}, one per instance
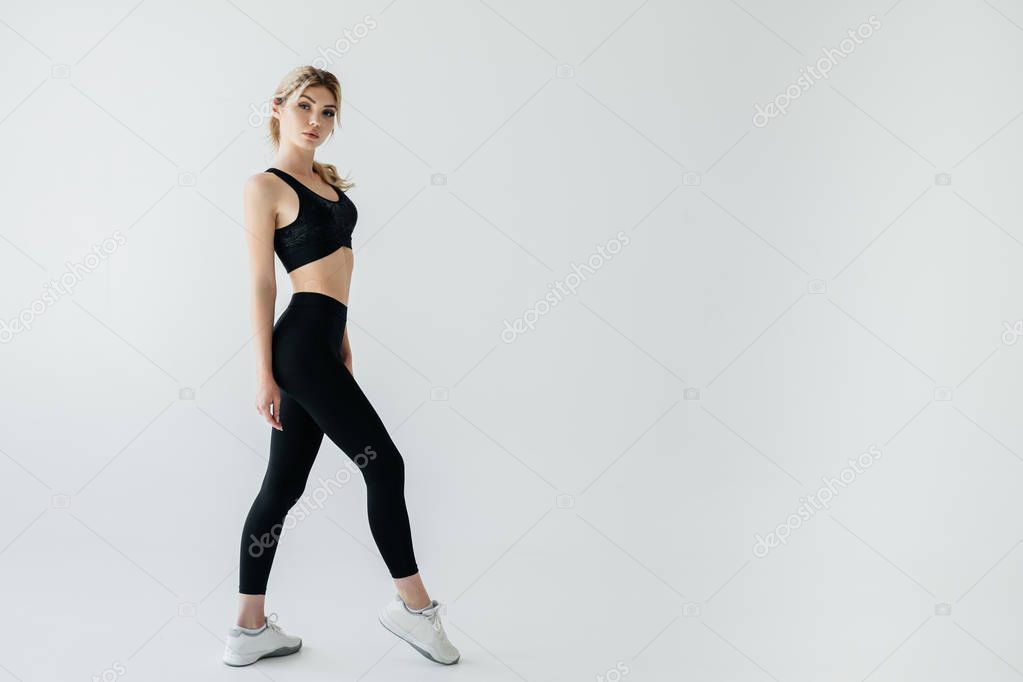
{"x":330,"y":275}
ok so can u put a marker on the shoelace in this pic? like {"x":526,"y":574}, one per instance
{"x":271,"y":622}
{"x":434,"y":618}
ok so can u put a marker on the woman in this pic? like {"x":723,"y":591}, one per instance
{"x":298,"y":209}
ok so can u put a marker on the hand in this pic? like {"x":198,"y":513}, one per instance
{"x":268,"y":402}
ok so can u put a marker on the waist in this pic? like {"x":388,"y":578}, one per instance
{"x":324,"y":303}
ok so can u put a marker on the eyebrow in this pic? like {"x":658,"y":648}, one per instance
{"x":314,"y":101}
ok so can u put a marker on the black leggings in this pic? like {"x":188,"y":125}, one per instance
{"x":320,"y":396}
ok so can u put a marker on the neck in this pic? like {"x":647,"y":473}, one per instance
{"x":296,"y":161}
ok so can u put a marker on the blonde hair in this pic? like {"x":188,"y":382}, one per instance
{"x":294,"y":83}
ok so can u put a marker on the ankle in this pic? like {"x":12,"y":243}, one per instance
{"x":253,"y":623}
{"x":417,"y":605}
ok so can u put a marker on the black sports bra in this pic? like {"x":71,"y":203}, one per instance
{"x":321,"y":227}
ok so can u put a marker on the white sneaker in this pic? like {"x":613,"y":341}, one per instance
{"x":244,"y":648}
{"x":424,"y":631}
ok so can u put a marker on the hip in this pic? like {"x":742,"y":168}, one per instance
{"x":313,"y":324}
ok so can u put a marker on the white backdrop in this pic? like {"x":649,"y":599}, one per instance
{"x":695,"y":322}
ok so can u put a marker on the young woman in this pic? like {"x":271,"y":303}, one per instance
{"x":298,"y":210}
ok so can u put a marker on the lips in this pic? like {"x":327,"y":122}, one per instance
{"x":311,"y":134}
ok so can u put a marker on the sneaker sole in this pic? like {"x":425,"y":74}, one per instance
{"x":238,"y":660}
{"x":424,"y":652}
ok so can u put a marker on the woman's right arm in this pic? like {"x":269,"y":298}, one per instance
{"x":260,"y":222}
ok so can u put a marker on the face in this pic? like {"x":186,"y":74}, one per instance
{"x":307,"y":119}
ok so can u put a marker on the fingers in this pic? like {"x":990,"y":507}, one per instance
{"x":276,"y":417}
{"x":272,"y":417}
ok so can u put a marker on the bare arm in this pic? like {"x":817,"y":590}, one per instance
{"x":260,"y":219}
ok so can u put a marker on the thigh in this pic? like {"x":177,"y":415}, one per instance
{"x":342,"y":410}
{"x":293,"y":449}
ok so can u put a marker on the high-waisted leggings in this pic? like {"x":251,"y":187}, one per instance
{"x":320,"y":396}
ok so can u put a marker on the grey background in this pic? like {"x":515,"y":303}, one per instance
{"x":586,"y":499}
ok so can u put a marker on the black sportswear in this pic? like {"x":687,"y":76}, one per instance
{"x":321,"y":227}
{"x":319,"y":395}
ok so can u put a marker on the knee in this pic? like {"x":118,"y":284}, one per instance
{"x":280,"y":496}
{"x":383,"y":467}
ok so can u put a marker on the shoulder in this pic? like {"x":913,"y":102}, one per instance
{"x":262,"y":180}
{"x":262,"y":191}
{"x":262,"y":184}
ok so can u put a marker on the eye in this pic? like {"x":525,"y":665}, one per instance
{"x":303,"y":105}
{"x":330,"y":112}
